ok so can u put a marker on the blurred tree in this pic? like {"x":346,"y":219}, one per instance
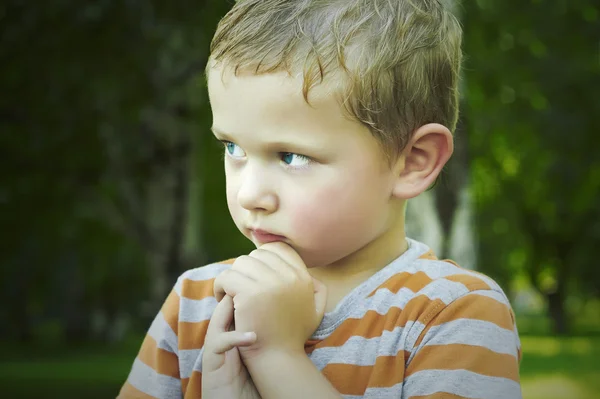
{"x":442,"y":216}
{"x":531,"y":72}
{"x":99,"y":109}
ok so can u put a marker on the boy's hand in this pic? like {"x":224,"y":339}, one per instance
{"x":223,"y":374}
{"x":275,"y":296}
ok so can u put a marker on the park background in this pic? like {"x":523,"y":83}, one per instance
{"x":111,"y":184}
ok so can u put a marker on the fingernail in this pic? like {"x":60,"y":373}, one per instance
{"x":251,"y":336}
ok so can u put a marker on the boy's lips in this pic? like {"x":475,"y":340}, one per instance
{"x":265,"y":237}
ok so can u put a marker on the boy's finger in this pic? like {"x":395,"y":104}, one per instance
{"x":231,"y":282}
{"x":227,"y":341}
{"x":267,"y":265}
{"x":221,"y":317}
{"x":286,"y":253}
{"x":215,"y":354}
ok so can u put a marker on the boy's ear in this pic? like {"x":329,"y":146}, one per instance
{"x":422,"y":160}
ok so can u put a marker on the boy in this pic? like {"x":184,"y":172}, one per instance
{"x":332,"y":113}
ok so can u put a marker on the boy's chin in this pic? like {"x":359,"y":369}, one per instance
{"x":309,"y":261}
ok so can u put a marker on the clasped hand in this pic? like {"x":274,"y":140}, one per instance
{"x":275,"y":297}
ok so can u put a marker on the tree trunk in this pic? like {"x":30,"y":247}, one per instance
{"x":180,"y":197}
{"x":449,"y":188}
{"x":556,"y":299}
{"x":76,"y":318}
{"x":548,"y":247}
{"x":556,"y":310}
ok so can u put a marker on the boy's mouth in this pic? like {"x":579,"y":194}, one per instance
{"x":265,"y":237}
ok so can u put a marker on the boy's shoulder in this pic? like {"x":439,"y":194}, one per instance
{"x":449,"y":276}
{"x":197,"y":283}
{"x":432,"y":298}
{"x":429,"y":282}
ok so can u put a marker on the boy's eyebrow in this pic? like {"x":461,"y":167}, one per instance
{"x":220,"y":134}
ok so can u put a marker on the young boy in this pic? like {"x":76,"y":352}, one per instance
{"x":333,"y":113}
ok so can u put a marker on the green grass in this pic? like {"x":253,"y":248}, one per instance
{"x":552,"y":368}
{"x":565,"y":368}
{"x":58,"y":372}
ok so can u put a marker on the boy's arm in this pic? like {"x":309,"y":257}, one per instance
{"x":468,"y":349}
{"x":281,"y":374}
{"x":155,"y":371}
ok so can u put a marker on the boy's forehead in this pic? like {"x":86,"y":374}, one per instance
{"x":248,"y":101}
{"x":222,"y":80}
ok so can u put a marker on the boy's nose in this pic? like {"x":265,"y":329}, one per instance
{"x":255,"y":194}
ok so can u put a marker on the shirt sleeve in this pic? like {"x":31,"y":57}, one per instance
{"x":469,"y":349}
{"x":155,"y":371}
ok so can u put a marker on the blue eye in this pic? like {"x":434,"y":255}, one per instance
{"x":234,"y":150}
{"x":295,"y":160}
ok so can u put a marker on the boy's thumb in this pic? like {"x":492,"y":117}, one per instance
{"x":320,"y":297}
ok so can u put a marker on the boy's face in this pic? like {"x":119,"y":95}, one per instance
{"x":307,"y":174}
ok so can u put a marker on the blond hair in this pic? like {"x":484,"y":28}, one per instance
{"x":398,"y":60}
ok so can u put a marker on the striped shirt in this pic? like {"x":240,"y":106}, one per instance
{"x":418,"y":328}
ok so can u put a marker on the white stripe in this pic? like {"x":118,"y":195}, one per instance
{"x":194,"y":311}
{"x":445,"y":290}
{"x":163,"y":334}
{"x":516,"y":332}
{"x":362,"y":351}
{"x":147,"y":380}
{"x":201,"y":274}
{"x":393,"y":392}
{"x":437,"y":269}
{"x":462,"y":383}
{"x":384,"y":299}
{"x":498,"y":296}
{"x":473,"y":332}
{"x":380,"y":302}
{"x":190,"y":360}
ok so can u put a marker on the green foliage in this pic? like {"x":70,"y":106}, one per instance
{"x":104,"y":110}
{"x":531,"y":111}
{"x":98,"y":107}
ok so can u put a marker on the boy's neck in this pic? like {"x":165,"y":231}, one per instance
{"x":362,"y":264}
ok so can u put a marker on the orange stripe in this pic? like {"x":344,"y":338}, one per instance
{"x":128,"y":391}
{"x":197,"y":290}
{"x":453,"y":263}
{"x":476,"y":307}
{"x":351,"y":379}
{"x":413,"y":281}
{"x":389,"y":370}
{"x":373,"y":324}
{"x":429,"y":255}
{"x":200,"y":289}
{"x":477,"y":359}
{"x":471,"y":282}
{"x":194,"y":386}
{"x":160,"y":360}
{"x":421,"y":309}
{"x":309,"y":347}
{"x":348,"y":379}
{"x":191,"y":335}
{"x":170,"y":310}
{"x":370,"y":326}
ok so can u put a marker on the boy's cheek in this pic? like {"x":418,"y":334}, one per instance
{"x":316,"y":217}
